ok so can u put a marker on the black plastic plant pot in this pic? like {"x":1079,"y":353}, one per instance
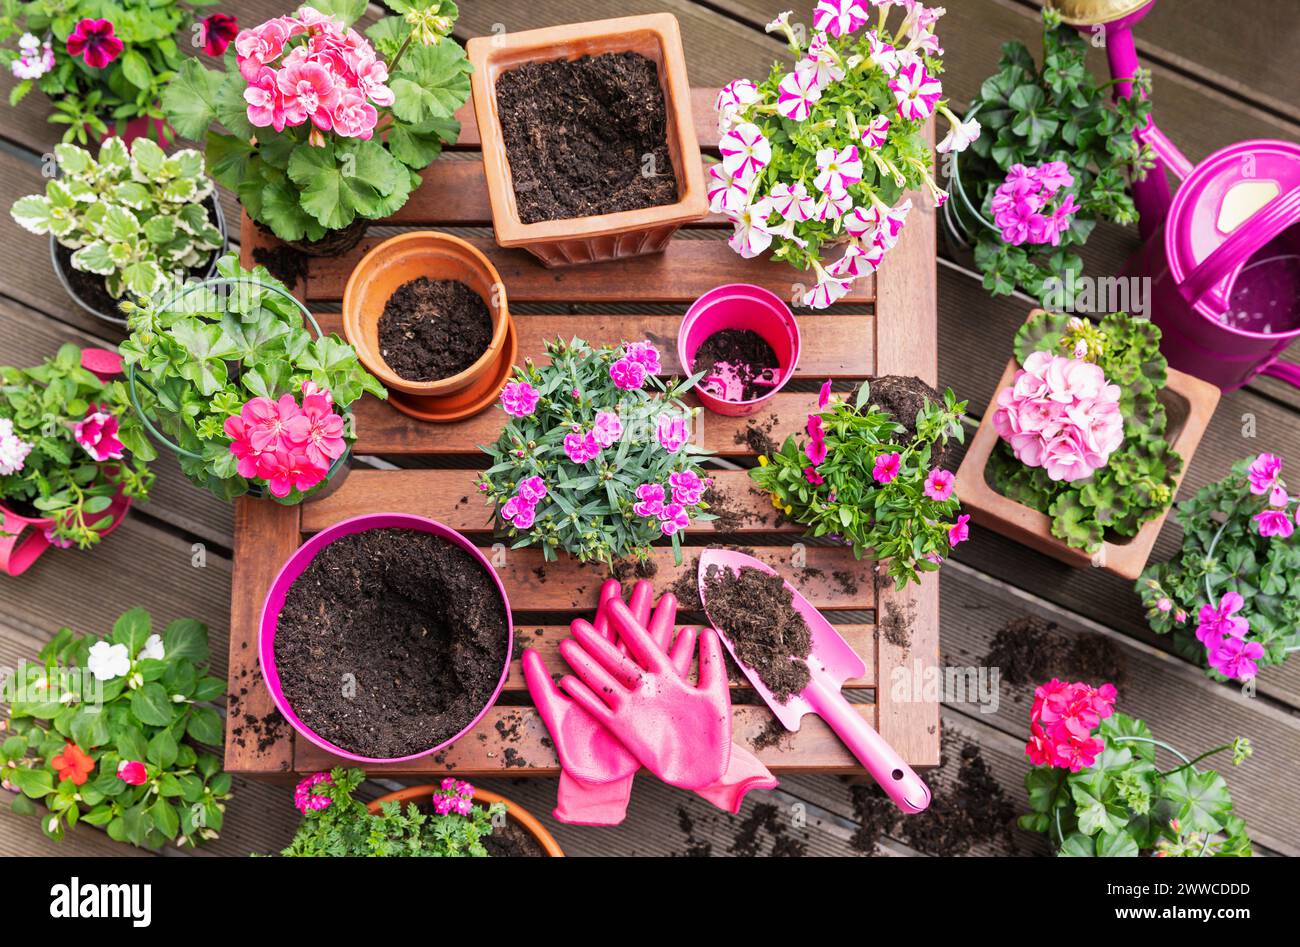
{"x":338,"y":470}
{"x":95,"y":307}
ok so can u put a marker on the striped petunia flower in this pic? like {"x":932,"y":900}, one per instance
{"x":745,"y":151}
{"x":838,"y":170}
{"x":797,"y":93}
{"x":916,"y":92}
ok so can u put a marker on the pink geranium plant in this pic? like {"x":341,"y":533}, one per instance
{"x":597,"y":456}
{"x":1098,"y":789}
{"x":1231,"y":597}
{"x":267,"y":397}
{"x":817,"y":157}
{"x":324,"y":124}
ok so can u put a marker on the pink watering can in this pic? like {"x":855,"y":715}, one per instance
{"x":1223,"y":251}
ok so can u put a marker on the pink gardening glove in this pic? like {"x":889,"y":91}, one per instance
{"x":596,"y":780}
{"x":679,"y":731}
{"x":745,"y":771}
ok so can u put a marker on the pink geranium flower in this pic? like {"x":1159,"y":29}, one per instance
{"x":271,"y":424}
{"x":1264,"y":473}
{"x":886,"y":467}
{"x":1022,"y":205}
{"x":97,"y":434}
{"x":308,"y":92}
{"x":286,"y":470}
{"x":256,"y":47}
{"x":519,"y":399}
{"x":627,"y":374}
{"x":325,"y":441}
{"x":916,"y":92}
{"x":940,"y":484}
{"x":95,"y":42}
{"x":959,"y":532}
{"x":1215,"y":622}
{"x":1062,"y":721}
{"x":671,"y":431}
{"x":1235,"y":658}
{"x":263,"y":98}
{"x":1274,"y":523}
{"x":651,"y":497}
{"x":353,"y":116}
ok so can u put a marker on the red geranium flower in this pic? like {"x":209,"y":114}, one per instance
{"x":73,"y":764}
{"x":219,"y":30}
{"x":93,"y":40}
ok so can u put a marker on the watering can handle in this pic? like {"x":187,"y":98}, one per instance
{"x":1288,"y":372}
{"x":1262,"y":226}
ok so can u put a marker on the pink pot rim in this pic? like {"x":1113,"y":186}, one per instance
{"x":701,"y":306}
{"x":294,"y":566}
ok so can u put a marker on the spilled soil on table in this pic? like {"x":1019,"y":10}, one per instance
{"x":1030,"y":651}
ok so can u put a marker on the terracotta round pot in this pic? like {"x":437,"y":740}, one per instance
{"x":525,"y":819}
{"x":438,"y":256}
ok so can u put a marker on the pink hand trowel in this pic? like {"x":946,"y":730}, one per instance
{"x":831,"y":662}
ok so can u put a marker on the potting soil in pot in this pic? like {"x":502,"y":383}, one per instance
{"x":511,"y":841}
{"x":415,"y":620}
{"x":741,"y":360}
{"x":586,"y":137}
{"x":433,"y":329}
{"x":755,"y":611}
{"x":903,"y":397}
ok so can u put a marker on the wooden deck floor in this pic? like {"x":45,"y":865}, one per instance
{"x":1209,"y":93}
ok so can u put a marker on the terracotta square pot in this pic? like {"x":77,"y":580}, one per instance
{"x":1189,"y":404}
{"x":604,"y":236}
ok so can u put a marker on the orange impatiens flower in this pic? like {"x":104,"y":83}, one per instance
{"x":73,"y":764}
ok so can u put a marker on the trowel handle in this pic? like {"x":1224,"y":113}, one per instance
{"x":887,"y":768}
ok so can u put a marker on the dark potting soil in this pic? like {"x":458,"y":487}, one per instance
{"x":283,"y":262}
{"x":903,"y":397}
{"x":745,"y":351}
{"x":756,"y":613}
{"x":758,"y":436}
{"x":391,"y":641}
{"x":433,"y":329}
{"x":731,"y":516}
{"x":586,"y":137}
{"x":511,"y":841}
{"x":1030,"y":651}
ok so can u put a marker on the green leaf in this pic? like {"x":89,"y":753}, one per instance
{"x":345,"y":11}
{"x":190,"y":99}
{"x":165,"y":818}
{"x":136,"y":69}
{"x":132,"y":629}
{"x":1117,"y":845}
{"x":162,"y":749}
{"x":431,"y":82}
{"x":205,"y":726}
{"x":151,"y":705}
{"x":186,"y":638}
{"x":33,"y":783}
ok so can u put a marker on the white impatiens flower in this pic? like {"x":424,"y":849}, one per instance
{"x":837,"y":170}
{"x":108,"y":661}
{"x":726,"y":192}
{"x":752,"y":235}
{"x":745,"y":151}
{"x":793,"y":202}
{"x":959,"y":137}
{"x":13,"y":449}
{"x":797,"y":93}
{"x":153,"y":648}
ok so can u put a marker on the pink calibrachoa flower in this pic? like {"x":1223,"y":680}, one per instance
{"x":833,"y":206}
{"x":627,"y":374}
{"x":54,"y":539}
{"x":959,"y":138}
{"x":856,"y":261}
{"x":823,"y":60}
{"x":132,"y":772}
{"x":752,"y":235}
{"x":519,"y":399}
{"x":792,"y":202}
{"x":797,"y":93}
{"x":745,"y":151}
{"x":581,"y":447}
{"x":97,"y":433}
{"x":95,"y":43}
{"x":916,"y":92}
{"x":827,"y":291}
{"x":651,"y":497}
{"x":959,"y":532}
{"x":1264,"y":473}
{"x":876,"y":133}
{"x":606,"y":429}
{"x":688,"y":487}
{"x":1062,"y":721}
{"x":812,"y":476}
{"x":815,"y":449}
{"x":1061,"y":415}
{"x":674,"y":519}
{"x":727,"y":192}
{"x":1274,"y":523}
{"x":837,"y":170}
{"x":732,"y":98}
{"x":308,"y":801}
{"x":671,"y":431}
{"x":824,"y":394}
{"x":840,"y":17}
{"x":940,"y":484}
{"x":886,"y":467}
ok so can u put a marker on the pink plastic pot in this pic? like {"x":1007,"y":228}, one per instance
{"x":294,"y":567}
{"x":740,"y":306}
{"x":24,"y":539}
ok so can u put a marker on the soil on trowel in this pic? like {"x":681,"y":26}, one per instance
{"x":586,"y":137}
{"x":746,"y":352}
{"x":391,"y":641}
{"x":756,"y":613}
{"x":1030,"y":651}
{"x":433,"y":329}
{"x":510,"y":841}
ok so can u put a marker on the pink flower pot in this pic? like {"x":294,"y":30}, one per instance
{"x":740,"y":306}
{"x":294,"y":567}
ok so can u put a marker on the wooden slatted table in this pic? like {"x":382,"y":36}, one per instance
{"x":886,"y":326}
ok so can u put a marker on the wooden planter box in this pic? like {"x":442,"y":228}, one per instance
{"x":887,"y":326}
{"x":1189,"y":404}
{"x":606,"y":236}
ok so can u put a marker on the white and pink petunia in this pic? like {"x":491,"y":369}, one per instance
{"x":745,"y":151}
{"x":959,"y":137}
{"x":840,"y":17}
{"x":793,"y":202}
{"x":877,"y":132}
{"x":726,"y":191}
{"x":827,"y":291}
{"x":823,"y":60}
{"x":797,"y":93}
{"x":832,"y":206}
{"x":883,"y":55}
{"x":732,"y":99}
{"x":891,"y":224}
{"x":916,"y":92}
{"x":837,"y":170}
{"x":857,"y":261}
{"x":752,"y":235}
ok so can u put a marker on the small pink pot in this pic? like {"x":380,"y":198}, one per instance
{"x":294,"y":567}
{"x":739,"y":306}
